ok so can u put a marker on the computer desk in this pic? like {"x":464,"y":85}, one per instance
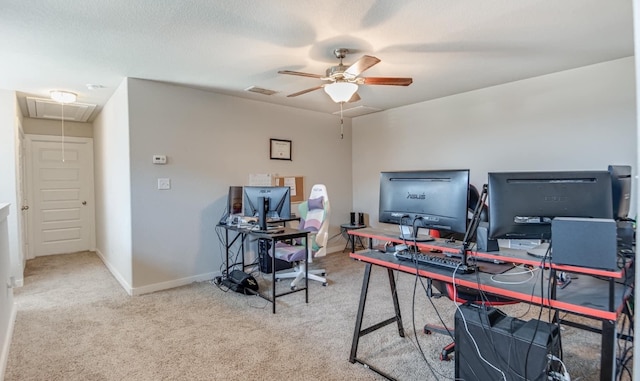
{"x":234,"y":234}
{"x":597,"y":295}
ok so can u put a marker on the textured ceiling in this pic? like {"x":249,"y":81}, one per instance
{"x":446,"y":46}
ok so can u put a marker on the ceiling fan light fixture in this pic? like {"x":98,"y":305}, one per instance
{"x":341,"y":92}
{"x":63,"y":96}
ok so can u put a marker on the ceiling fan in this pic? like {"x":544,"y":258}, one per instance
{"x":342,"y":81}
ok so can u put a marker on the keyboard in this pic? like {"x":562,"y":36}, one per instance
{"x":436,"y":261}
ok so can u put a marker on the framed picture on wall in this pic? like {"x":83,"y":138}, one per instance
{"x":280,"y":149}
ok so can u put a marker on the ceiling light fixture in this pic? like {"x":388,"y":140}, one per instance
{"x":341,"y":92}
{"x":63,"y":96}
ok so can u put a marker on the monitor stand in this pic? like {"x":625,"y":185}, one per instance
{"x":540,"y":251}
{"x":409,"y":234}
{"x":421,"y":238}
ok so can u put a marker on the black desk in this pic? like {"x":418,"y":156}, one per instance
{"x":598,"y":297}
{"x":234,"y":233}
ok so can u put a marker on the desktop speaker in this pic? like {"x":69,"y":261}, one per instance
{"x":352,"y":221}
{"x":518,"y":348}
{"x":625,"y":233}
{"x":360,"y":218}
{"x":584,"y":242}
{"x":485,"y":244}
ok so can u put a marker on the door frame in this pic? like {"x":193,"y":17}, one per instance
{"x":22,"y":207}
{"x":32,"y":138}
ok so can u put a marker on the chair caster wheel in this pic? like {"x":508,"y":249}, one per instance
{"x":427,"y":331}
{"x":323,"y":274}
{"x":325,"y":284}
{"x":293,"y":288}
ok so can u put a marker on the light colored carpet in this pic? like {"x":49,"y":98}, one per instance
{"x":75,"y":322}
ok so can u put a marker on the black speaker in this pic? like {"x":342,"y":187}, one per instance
{"x":507,"y":343}
{"x":263,"y":209}
{"x":360,"y":218}
{"x":625,"y":234}
{"x":352,"y":221}
{"x":485,"y":244}
{"x":584,"y":242}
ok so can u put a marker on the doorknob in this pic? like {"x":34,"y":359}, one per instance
{"x":84,"y":203}
{"x":26,"y":207}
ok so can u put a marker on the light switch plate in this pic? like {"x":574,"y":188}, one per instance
{"x":159,"y":159}
{"x":164,"y":184}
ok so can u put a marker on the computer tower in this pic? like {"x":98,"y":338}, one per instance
{"x":507,"y":343}
{"x":264,"y":257}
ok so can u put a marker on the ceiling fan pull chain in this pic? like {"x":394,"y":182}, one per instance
{"x":341,"y":122}
{"x":62,"y":112}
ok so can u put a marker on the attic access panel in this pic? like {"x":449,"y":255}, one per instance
{"x":50,"y":109}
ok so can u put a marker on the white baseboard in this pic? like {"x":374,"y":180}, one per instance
{"x":4,"y":355}
{"x":173,"y":283}
{"x":116,"y":274}
{"x":155,"y":286}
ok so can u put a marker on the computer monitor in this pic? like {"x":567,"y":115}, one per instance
{"x":522,"y":204}
{"x":278,"y":199}
{"x":431,"y":199}
{"x":234,"y":200}
{"x":620,"y":190}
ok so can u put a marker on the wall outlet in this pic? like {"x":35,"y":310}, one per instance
{"x":164,"y":184}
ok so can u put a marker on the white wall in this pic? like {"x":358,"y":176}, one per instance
{"x":7,"y":307}
{"x":9,"y":115}
{"x":113,"y":186}
{"x":577,"y":119}
{"x":212,"y":141}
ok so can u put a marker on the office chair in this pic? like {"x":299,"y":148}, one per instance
{"x":314,"y":216}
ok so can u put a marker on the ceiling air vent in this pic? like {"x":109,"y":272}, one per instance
{"x":260,"y":90}
{"x":49,"y":109}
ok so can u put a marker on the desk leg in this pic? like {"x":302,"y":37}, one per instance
{"x":396,"y":305}
{"x":306,"y":269}
{"x":273,"y":274}
{"x":608,"y":350}
{"x":225,"y":273}
{"x":363,"y":299}
{"x":359,"y":332}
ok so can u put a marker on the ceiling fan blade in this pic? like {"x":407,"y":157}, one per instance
{"x":305,"y":91}
{"x":387,"y":81}
{"x":299,"y":73}
{"x":354,"y":98}
{"x":361,"y":65}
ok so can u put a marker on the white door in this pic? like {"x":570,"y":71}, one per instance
{"x":61,"y":194}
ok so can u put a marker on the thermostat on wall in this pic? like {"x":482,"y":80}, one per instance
{"x":159,"y":159}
